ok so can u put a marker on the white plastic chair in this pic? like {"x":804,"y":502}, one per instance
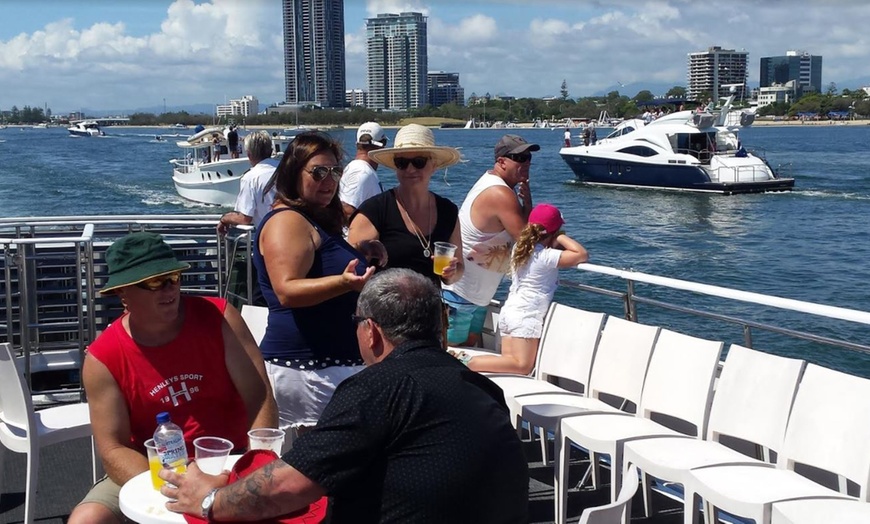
{"x":813,"y":511}
{"x":568,"y":346}
{"x":752,"y":401}
{"x":618,"y":370}
{"x":827,"y":429}
{"x":678,"y":384}
{"x":617,"y":511}
{"x":23,"y":430}
{"x":257,"y":318}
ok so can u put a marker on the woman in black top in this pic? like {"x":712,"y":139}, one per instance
{"x":409,"y":219}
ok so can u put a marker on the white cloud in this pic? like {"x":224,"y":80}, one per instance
{"x":206,"y":50}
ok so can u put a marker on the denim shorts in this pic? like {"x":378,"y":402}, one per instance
{"x":463,"y":317}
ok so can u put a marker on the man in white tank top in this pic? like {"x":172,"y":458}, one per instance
{"x":491,"y":217}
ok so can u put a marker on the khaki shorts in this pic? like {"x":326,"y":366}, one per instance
{"x":106,"y":492}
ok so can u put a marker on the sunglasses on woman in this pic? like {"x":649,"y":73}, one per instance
{"x":318,"y":173}
{"x":160,"y":282}
{"x":418,"y":161}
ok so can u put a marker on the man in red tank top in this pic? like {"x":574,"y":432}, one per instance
{"x":191,"y":356}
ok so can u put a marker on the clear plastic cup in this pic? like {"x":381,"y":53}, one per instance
{"x":266,"y":438}
{"x":444,"y":252}
{"x":154,"y":464}
{"x":212,"y":453}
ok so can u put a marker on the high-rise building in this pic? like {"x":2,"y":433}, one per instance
{"x":314,"y":52}
{"x":248,"y":105}
{"x":805,"y":69}
{"x":713,"y":70}
{"x":397,"y":61}
{"x":355,"y":97}
{"x":444,"y":88}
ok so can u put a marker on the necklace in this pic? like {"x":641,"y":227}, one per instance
{"x":424,"y":242}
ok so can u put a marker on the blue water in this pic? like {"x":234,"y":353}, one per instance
{"x":810,"y":244}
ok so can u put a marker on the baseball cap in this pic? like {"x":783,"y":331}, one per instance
{"x":513,"y":144}
{"x":371,"y":133}
{"x":548,"y":216}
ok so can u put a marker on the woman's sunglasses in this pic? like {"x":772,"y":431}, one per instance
{"x":158,"y":283}
{"x":418,"y":161}
{"x":318,"y":173}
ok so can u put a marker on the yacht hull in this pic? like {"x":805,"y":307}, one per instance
{"x":215,"y":183}
{"x":591,"y":170}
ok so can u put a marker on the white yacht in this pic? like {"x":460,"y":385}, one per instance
{"x":683,"y":151}
{"x":200,"y":176}
{"x":85,"y":128}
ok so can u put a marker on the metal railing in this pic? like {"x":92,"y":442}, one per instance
{"x":631,"y":299}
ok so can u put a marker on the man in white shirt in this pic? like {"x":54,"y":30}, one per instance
{"x":360,"y":181}
{"x":491,"y":218}
{"x":251,"y":204}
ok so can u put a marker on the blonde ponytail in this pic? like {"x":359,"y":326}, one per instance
{"x":529,"y":236}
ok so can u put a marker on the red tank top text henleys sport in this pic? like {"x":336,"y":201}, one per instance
{"x":187,"y":377}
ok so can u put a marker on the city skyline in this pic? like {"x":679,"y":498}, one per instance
{"x":101,"y":54}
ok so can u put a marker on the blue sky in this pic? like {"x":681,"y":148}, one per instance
{"x":113,"y":54}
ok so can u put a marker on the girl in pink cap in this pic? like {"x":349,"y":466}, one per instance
{"x":542,"y":249}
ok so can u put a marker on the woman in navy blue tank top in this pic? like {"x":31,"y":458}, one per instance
{"x":310,"y":278}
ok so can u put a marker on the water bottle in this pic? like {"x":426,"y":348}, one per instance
{"x":169,"y":439}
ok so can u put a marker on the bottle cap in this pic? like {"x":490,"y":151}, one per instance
{"x":163,"y":417}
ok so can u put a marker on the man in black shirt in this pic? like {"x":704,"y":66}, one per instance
{"x":233,"y":142}
{"x":415,"y":437}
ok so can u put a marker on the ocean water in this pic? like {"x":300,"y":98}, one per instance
{"x":809,"y":244}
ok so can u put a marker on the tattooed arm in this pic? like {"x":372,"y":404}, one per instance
{"x":273,"y":490}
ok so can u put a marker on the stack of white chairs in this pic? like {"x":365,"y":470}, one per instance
{"x":678,"y":385}
{"x":828,"y":429}
{"x":751,"y":403}
{"x":24,"y":430}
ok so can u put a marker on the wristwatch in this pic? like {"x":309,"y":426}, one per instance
{"x":207,"y":503}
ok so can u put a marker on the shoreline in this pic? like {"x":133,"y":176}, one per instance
{"x":520,"y":125}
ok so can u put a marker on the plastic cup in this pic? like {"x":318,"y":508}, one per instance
{"x":266,"y":438}
{"x":444,"y":252}
{"x":154,"y":465}
{"x":212,"y":453}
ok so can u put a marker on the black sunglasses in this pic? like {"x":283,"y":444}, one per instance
{"x":357,"y":319}
{"x":520,"y":158}
{"x":158,"y":283}
{"x":318,"y":173}
{"x":418,"y":161}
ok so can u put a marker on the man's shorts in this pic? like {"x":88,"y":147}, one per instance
{"x":463,"y":317}
{"x":106,"y":492}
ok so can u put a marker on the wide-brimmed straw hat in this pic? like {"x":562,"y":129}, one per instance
{"x":136,"y":258}
{"x":414,"y":138}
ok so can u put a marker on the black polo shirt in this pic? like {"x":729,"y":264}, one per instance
{"x":417,"y":438}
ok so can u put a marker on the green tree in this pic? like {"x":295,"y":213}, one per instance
{"x":563,"y":91}
{"x":832,"y":89}
{"x":676,"y":92}
{"x":644,"y":96}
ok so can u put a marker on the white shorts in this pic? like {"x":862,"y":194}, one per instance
{"x":520,"y":324}
{"x":302,"y":395}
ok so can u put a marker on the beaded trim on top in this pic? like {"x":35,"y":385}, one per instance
{"x":315,"y":363}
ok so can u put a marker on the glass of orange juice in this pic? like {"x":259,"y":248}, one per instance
{"x":154,"y":464}
{"x":444,"y":252}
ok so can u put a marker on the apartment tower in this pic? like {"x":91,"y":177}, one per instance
{"x":314,"y":52}
{"x":711,"y":71}
{"x":805,"y":69}
{"x":397,"y":61}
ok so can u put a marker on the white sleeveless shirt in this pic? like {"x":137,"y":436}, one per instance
{"x":487,"y":256}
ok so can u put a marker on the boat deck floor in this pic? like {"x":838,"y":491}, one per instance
{"x":65,"y":471}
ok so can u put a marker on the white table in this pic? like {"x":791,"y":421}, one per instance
{"x":141,"y":503}
{"x":820,"y":510}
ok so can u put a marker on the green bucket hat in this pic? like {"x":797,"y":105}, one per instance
{"x":136,"y":258}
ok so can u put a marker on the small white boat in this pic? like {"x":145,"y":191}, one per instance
{"x":85,"y":128}
{"x":199,"y":177}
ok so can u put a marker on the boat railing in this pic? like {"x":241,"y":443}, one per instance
{"x":53,"y":268}
{"x":726,"y":306}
